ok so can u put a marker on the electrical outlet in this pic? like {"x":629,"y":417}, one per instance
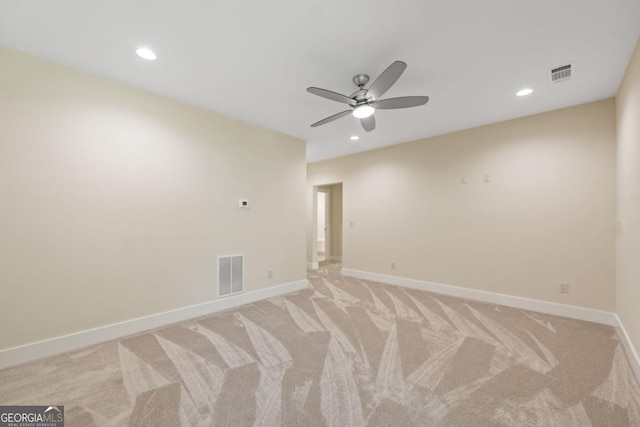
{"x":270,"y":274}
{"x":463,"y":179}
{"x":393,"y":265}
{"x":563,"y":287}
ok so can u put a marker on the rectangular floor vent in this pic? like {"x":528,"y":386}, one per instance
{"x":230,"y":274}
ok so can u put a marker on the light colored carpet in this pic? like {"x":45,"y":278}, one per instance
{"x":345,"y":353}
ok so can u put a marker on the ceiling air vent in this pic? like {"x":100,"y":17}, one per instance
{"x":230,"y":274}
{"x":561,"y":74}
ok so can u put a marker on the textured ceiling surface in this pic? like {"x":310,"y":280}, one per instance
{"x":253,"y":60}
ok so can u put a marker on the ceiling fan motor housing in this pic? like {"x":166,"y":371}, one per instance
{"x":360,"y":96}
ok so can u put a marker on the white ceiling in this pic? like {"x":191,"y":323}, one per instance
{"x":254,"y":59}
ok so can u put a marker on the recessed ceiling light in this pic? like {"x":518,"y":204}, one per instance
{"x":355,"y":138}
{"x":524,"y":92}
{"x":363,"y":111}
{"x":146,"y":53}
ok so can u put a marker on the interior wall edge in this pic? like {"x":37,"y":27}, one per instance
{"x":630,"y":350}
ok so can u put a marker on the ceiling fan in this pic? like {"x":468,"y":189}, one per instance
{"x":364,"y":102}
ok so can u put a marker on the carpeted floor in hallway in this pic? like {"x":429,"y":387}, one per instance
{"x":345,"y":352}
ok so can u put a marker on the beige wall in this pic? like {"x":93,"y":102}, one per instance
{"x":546,"y":216}
{"x":628,"y":201}
{"x":115,"y":203}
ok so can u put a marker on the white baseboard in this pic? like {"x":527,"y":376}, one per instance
{"x":632,"y":354}
{"x":580,"y":313}
{"x":37,"y":350}
{"x":574,"y":312}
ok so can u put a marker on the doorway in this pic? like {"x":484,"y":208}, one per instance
{"x":323,"y":244}
{"x":327,"y":230}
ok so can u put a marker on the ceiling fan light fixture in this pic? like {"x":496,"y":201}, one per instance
{"x":363,"y":111}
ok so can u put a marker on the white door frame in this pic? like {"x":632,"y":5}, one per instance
{"x":327,"y":223}
{"x":313,"y":263}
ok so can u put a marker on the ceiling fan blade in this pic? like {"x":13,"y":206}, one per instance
{"x":331,"y":118}
{"x":401,"y":102}
{"x":386,"y":79}
{"x":368,"y":123}
{"x":334,"y":96}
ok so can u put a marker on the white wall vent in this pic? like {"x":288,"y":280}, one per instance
{"x":230,"y":274}
{"x":562,"y":73}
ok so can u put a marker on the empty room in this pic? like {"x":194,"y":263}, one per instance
{"x":320,"y":213}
